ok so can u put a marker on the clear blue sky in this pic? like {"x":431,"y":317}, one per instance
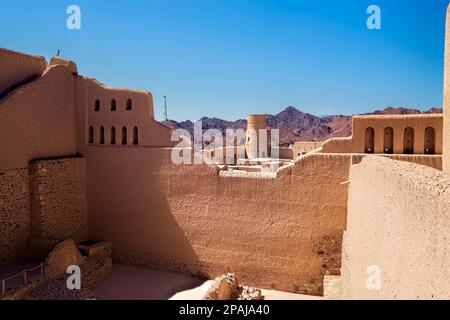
{"x":228,"y":58}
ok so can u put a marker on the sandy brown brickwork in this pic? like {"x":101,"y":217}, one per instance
{"x":58,"y":199}
{"x":95,"y":270}
{"x":189,"y":219}
{"x":401,"y":226}
{"x":14,"y":214}
{"x":133,"y":109}
{"x":17,"y":69}
{"x":37,"y":120}
{"x":45,"y":112}
{"x":282,"y":233}
{"x":64,"y":62}
{"x":97,"y":250}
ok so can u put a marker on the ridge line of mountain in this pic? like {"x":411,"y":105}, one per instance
{"x":295,"y":125}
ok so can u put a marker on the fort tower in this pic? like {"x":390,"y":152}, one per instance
{"x":256,"y":135}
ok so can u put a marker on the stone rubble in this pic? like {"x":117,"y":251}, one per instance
{"x":226,"y":287}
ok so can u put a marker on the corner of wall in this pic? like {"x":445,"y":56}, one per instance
{"x":446,"y":104}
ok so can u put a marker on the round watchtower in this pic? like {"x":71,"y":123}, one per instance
{"x":255,"y":123}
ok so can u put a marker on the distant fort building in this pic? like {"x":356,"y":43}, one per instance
{"x":419,"y":134}
{"x":257,"y":143}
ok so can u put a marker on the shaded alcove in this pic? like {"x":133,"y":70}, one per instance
{"x":135,"y":136}
{"x":430,"y":136}
{"x":408,"y":141}
{"x":370,"y":140}
{"x":113,"y":105}
{"x":388,"y":140}
{"x":113,"y":135}
{"x":124,"y":136}
{"x":102,"y":135}
{"x":129,"y":105}
{"x":91,"y":135}
{"x":97,"y":105}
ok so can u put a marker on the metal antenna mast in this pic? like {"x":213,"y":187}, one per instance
{"x":165,"y":109}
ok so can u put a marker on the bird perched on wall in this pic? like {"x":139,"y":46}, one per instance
{"x":57,"y":54}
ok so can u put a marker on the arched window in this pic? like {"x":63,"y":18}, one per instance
{"x":369,"y":141}
{"x":124,"y":136}
{"x":113,"y":105}
{"x":102,"y":135}
{"x":97,"y":105}
{"x":388,"y":140}
{"x":135,"y":136}
{"x":113,"y":135}
{"x":429,"y":147}
{"x":91,"y":135}
{"x":129,"y":105}
{"x":408,"y":141}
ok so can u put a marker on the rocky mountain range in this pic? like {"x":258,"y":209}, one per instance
{"x":295,"y":125}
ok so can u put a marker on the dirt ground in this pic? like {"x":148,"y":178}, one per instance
{"x":140,"y":283}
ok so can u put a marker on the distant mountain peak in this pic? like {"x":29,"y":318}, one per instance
{"x":291,"y":109}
